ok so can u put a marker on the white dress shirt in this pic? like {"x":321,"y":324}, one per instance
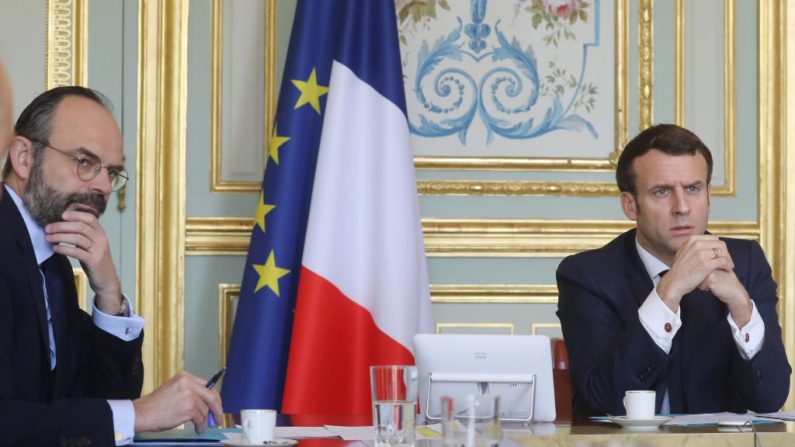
{"x":654,"y":315}
{"x":126,"y":328}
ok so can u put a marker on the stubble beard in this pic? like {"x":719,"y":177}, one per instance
{"x":46,"y":205}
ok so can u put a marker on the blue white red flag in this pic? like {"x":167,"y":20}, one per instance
{"x":335,"y":279}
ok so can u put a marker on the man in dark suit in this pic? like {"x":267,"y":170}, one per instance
{"x":668,"y":306}
{"x":66,"y":377}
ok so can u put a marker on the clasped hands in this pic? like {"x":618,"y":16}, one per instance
{"x":704,"y":262}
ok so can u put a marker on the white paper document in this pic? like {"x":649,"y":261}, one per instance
{"x":780,"y":416}
{"x":352,"y":433}
{"x":718,"y":418}
{"x":303,"y":432}
{"x":366,"y":433}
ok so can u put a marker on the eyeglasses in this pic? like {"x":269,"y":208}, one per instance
{"x":89,"y":166}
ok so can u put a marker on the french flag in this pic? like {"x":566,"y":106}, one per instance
{"x":354,"y":289}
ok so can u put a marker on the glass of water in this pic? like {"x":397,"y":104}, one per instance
{"x":471,"y":421}
{"x":394,"y":392}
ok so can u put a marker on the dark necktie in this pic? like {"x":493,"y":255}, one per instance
{"x":673,"y":385}
{"x":55,"y":296}
{"x":663,"y":394}
{"x":676,"y":372}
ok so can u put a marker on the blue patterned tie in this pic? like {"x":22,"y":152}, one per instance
{"x":55,"y":301}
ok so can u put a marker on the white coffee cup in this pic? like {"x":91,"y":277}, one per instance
{"x":640,"y":404}
{"x":257,"y":425}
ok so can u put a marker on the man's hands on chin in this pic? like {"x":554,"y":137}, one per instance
{"x":183,"y":398}
{"x":85,"y":240}
{"x":704,"y":262}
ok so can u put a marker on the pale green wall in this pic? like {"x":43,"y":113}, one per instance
{"x":201,"y":277}
{"x":22,"y":42}
{"x":204,"y":273}
{"x":109,"y":71}
{"x":113,"y":69}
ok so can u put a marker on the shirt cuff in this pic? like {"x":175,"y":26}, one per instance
{"x":659,"y":321}
{"x":749,"y":339}
{"x":123,"y":421}
{"x":124,"y":328}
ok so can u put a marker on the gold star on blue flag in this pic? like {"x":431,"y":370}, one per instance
{"x":310,"y":92}
{"x":261,"y":332}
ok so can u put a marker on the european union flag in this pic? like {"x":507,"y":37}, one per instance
{"x":261,"y":335}
{"x":364,"y":219}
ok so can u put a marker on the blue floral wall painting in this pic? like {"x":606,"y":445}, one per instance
{"x":509,"y":78}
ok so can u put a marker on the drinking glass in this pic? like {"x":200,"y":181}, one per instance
{"x":471,"y":421}
{"x":394,"y":392}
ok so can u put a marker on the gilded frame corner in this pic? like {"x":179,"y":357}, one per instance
{"x":729,"y":88}
{"x":536,"y":326}
{"x":81,"y":284}
{"x":494,"y":293}
{"x":229,"y":236}
{"x":217,"y":183}
{"x":440,"y":327}
{"x":227,"y":294}
{"x":517,"y":188}
{"x":66,"y":59}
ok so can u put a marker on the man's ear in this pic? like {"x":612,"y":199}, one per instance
{"x":20,"y":154}
{"x":629,"y":205}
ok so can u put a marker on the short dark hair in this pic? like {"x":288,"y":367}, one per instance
{"x":667,"y":138}
{"x":34,"y":123}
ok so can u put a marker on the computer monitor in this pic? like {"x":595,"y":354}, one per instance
{"x":518,"y":368}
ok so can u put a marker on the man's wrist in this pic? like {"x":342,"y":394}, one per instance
{"x":124,"y":308}
{"x":123,"y":420}
{"x":667,"y":296}
{"x":110,"y":303}
{"x":741,"y":313}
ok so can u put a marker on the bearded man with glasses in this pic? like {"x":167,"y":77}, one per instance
{"x":67,"y":378}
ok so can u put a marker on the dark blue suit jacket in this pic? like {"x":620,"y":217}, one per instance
{"x":610,"y":351}
{"x":69,"y":407}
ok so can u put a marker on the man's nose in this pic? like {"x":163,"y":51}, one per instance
{"x":680,"y":205}
{"x":102,"y":184}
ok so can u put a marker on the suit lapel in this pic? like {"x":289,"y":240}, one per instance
{"x":637,"y":276}
{"x":65,"y":346}
{"x":14,"y":224}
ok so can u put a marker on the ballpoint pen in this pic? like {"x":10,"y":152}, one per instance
{"x":210,"y":385}
{"x":214,"y":379}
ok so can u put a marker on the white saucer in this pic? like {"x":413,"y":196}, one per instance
{"x":237,"y":440}
{"x":639,"y":423}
